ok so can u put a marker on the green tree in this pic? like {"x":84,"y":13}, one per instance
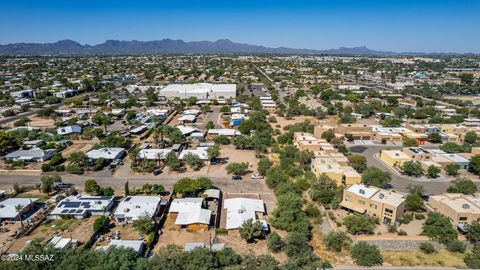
{"x":472,"y":259}
{"x":78,"y":158}
{"x":275,"y":242}
{"x":470,"y":137}
{"x":427,"y":248}
{"x":91,"y":187}
{"x":101,"y":224}
{"x":323,"y":190}
{"x":412,"y":168}
{"x":209,"y":125}
{"x":238,"y":168}
{"x":358,"y":162}
{"x":375,"y":177}
{"x":46,"y":183}
{"x":357,"y":224}
{"x":172,"y":161}
{"x":328,"y":135}
{"x":438,"y":227}
{"x":456,"y":246}
{"x":473,"y":232}
{"x":222,"y":139}
{"x":410,"y":142}
{"x":250,"y":230}
{"x":194,"y":161}
{"x":435,"y":138}
{"x":475,"y":164}
{"x":452,"y":169}
{"x":433,"y":171}
{"x":296,"y":243}
{"x":263,"y":165}
{"x":462,"y":185}
{"x":101,"y":119}
{"x":414,"y":201}
{"x":365,"y":254}
{"x":336,"y":241}
{"x":8,"y":141}
{"x":144,"y":225}
{"x":126,"y":189}
{"x":213,"y":151}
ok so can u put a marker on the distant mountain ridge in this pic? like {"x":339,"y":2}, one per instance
{"x":170,"y":46}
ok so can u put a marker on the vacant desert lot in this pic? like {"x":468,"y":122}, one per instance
{"x":81,"y":230}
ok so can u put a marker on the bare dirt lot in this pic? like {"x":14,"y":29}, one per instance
{"x":79,"y":145}
{"x":81,"y":230}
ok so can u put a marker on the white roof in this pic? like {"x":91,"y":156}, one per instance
{"x":136,"y":245}
{"x":107,"y":153}
{"x":455,"y":158}
{"x":240,"y":210}
{"x":201,"y":152}
{"x":187,"y":117}
{"x":157,"y":111}
{"x":186,"y":129}
{"x":195,"y":215}
{"x":198,"y":88}
{"x":225,"y":131}
{"x":388,"y":197}
{"x":154,"y":154}
{"x":362,"y":190}
{"x":60,"y":242}
{"x":185,"y":204}
{"x":191,"y":112}
{"x":79,"y":204}
{"x":135,"y":207}
{"x":7,"y":207}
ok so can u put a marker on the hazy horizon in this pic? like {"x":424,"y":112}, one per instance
{"x":399,"y":26}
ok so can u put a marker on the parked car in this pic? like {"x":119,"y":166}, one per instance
{"x":237,"y":177}
{"x":157,"y":171}
{"x":257,"y":176}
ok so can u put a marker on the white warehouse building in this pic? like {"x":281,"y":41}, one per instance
{"x":200,"y":91}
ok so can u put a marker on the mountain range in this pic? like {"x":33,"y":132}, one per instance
{"x":169,"y":46}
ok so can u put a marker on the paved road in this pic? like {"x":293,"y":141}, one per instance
{"x":18,"y":116}
{"x":399,"y":182}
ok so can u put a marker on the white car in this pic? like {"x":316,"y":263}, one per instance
{"x":257,"y":176}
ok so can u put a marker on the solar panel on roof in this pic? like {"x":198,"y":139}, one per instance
{"x":79,"y":211}
{"x":72,"y":211}
{"x":65,"y":211}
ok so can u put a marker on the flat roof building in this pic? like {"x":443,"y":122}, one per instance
{"x":80,"y":206}
{"x":200,"y":91}
{"x":133,"y":208}
{"x":461,"y":209}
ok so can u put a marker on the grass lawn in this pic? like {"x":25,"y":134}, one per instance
{"x":417,"y":258}
{"x":41,"y":197}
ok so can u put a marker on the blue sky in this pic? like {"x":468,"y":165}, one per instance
{"x":428,"y":26}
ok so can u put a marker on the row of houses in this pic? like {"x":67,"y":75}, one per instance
{"x":377,"y":133}
{"x":327,"y":160}
{"x":426,"y":157}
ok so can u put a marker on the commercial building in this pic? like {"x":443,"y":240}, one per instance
{"x":386,"y":205}
{"x":461,"y":209}
{"x":200,"y":91}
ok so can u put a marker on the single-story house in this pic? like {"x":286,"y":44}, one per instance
{"x":63,"y":242}
{"x":153,"y":154}
{"x":137,"y":245}
{"x":229,"y":132}
{"x":240,"y":210}
{"x":8,"y":208}
{"x":189,"y":118}
{"x":186,"y":130}
{"x":80,"y":206}
{"x":31,"y":155}
{"x":68,"y":130}
{"x":109,"y":153}
{"x":201,"y":152}
{"x":132,"y":208}
{"x":189,"y":213}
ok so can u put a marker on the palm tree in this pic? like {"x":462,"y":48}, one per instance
{"x":19,"y":208}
